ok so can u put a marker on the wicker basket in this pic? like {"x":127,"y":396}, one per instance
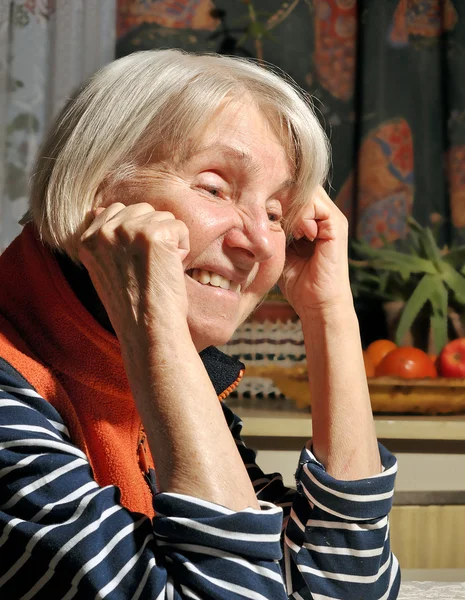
{"x":392,"y":395}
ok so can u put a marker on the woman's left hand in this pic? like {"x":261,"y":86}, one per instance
{"x":316,"y":282}
{"x":316,"y":273}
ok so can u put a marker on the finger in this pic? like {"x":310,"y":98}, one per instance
{"x":176,"y":230}
{"x":171,"y":232}
{"x":134,"y":215}
{"x":319,"y":219}
{"x":118,"y":213}
{"x":184,"y":243}
{"x":183,"y":238}
{"x":104,"y":215}
{"x":306,"y":228}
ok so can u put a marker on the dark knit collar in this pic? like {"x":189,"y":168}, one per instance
{"x":222,"y":369}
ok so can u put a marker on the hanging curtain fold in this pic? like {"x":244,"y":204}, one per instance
{"x":47,"y":49}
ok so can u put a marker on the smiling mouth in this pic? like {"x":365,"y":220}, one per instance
{"x":214,"y":280}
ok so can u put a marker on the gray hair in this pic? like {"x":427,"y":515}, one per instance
{"x":143,"y":104}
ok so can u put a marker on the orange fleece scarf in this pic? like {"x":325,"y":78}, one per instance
{"x":74,"y":363}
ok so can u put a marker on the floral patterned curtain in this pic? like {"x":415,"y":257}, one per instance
{"x":47,"y":48}
{"x":387,"y":77}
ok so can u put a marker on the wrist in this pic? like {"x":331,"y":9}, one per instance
{"x":336,"y":310}
{"x":159,"y":330}
{"x":157,"y":338}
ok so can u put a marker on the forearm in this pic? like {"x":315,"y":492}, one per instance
{"x":344,"y":437}
{"x":193,"y":449}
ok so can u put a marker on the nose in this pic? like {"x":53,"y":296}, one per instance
{"x":252,"y":235}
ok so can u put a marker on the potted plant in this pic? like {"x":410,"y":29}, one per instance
{"x":420,"y":284}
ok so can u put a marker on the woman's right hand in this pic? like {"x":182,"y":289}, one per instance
{"x":134,"y":256}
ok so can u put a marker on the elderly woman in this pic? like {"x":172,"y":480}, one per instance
{"x":160,"y":209}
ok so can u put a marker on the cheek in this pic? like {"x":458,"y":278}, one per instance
{"x":276,"y":262}
{"x":270,"y":271}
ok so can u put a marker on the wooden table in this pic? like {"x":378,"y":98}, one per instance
{"x":277,"y":423}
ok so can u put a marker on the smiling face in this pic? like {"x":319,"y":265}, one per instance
{"x":231,"y":191}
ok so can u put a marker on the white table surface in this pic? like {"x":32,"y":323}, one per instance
{"x":429,"y":590}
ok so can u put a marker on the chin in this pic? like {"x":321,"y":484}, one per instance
{"x":218,"y":327}
{"x":210,"y":334}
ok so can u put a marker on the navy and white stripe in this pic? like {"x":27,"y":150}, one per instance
{"x":336,"y":533}
{"x":63,"y":536}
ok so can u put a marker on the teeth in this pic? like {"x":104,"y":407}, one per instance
{"x":204,"y":277}
{"x":215,"y":280}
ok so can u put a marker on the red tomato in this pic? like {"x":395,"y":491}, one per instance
{"x":407,"y":362}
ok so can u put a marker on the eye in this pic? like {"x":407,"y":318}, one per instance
{"x":275,"y":213}
{"x":212,"y":183}
{"x":212,"y":191}
{"x":275,"y":217}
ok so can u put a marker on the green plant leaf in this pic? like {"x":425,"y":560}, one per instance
{"x":456,"y":258}
{"x":455,"y":282}
{"x":393,"y":260}
{"x":367,"y":251}
{"x":383,"y":281}
{"x":413,"y":243}
{"x":420,"y":296}
{"x":423,"y":240}
{"x":386,"y":242}
{"x":432,"y":249}
{"x":414,"y":225}
{"x":439,"y":304}
{"x":257,"y":30}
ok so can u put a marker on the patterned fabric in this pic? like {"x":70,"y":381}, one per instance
{"x":186,"y":14}
{"x":335,"y":46}
{"x":384,"y":182}
{"x":456,"y":172}
{"x":47,"y":49}
{"x":427,"y":18}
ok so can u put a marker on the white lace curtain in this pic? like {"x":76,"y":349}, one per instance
{"x":47,"y":49}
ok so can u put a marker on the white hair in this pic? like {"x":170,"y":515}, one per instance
{"x":149,"y":103}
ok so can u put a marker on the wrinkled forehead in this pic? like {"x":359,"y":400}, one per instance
{"x":215,"y":129}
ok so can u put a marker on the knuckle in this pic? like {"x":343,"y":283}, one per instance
{"x":343,"y":219}
{"x":146,"y":206}
{"x":182,"y":226}
{"x":167,"y":214}
{"x":105,"y":232}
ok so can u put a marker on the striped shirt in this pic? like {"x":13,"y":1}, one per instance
{"x":62,"y":536}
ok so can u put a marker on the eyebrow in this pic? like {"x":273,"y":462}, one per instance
{"x":236,"y":154}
